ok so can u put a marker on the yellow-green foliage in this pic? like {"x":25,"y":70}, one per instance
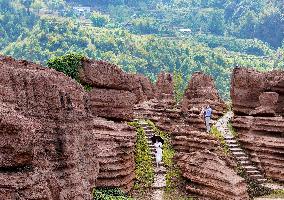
{"x":233,"y":131}
{"x":277,"y":194}
{"x":214,"y":131}
{"x":173,"y":173}
{"x":144,"y":171}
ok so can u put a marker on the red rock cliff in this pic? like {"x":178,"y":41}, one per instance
{"x":258,"y":102}
{"x":50,"y":140}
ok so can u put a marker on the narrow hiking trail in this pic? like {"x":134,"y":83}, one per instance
{"x":242,"y":157}
{"x":237,"y":151}
{"x":160,"y":173}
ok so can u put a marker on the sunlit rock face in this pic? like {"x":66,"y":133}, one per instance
{"x":114,"y":92}
{"x":210,"y":174}
{"x":258,"y":102}
{"x":201,"y":91}
{"x":51,"y":140}
{"x":210,"y":177}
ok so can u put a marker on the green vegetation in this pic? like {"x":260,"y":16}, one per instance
{"x":214,"y":131}
{"x":99,"y":20}
{"x":233,"y":131}
{"x":69,"y":64}
{"x":146,"y":37}
{"x":109,"y":194}
{"x":144,"y":170}
{"x":254,"y":188}
{"x":276,"y":194}
{"x":173,"y":174}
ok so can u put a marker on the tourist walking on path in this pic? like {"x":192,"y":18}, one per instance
{"x":159,"y":152}
{"x":207,"y":113}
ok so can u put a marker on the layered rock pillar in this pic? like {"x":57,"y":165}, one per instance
{"x":258,"y":103}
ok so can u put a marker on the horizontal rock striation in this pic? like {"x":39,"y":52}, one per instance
{"x":210,"y":177}
{"x":248,"y":85}
{"x":262,"y":138}
{"x":201,"y":91}
{"x":50,"y":139}
{"x":114,"y":92}
{"x":258,"y":102}
{"x":116,"y":145}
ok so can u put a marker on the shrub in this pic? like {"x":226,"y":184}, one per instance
{"x":69,"y":64}
{"x":99,"y":20}
{"x":109,"y":194}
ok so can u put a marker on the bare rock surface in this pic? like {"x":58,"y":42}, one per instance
{"x":262,"y":138}
{"x":258,"y":103}
{"x":51,"y":141}
{"x":201,"y":91}
{"x":248,"y":85}
{"x":114,"y":92}
{"x":164,"y":90}
{"x":210,"y":177}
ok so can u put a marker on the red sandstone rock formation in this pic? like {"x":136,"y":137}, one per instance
{"x":115,"y":92}
{"x":262,"y":138}
{"x":116,"y":144}
{"x":260,"y":95}
{"x":50,"y":141}
{"x":200,"y":92}
{"x":205,"y":170}
{"x":211,"y":178}
{"x":248,"y":85}
{"x":164,"y":90}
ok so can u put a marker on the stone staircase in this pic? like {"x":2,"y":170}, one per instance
{"x":160,"y":173}
{"x":239,"y":154}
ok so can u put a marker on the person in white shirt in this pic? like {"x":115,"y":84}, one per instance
{"x":159,"y":152}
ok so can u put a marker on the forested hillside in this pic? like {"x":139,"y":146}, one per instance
{"x":148,"y":36}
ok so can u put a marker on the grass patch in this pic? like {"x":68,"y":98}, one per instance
{"x":109,"y":194}
{"x":276,"y":194}
{"x":214,"y":131}
{"x":144,"y":170}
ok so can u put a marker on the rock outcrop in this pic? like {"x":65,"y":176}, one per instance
{"x":210,"y":177}
{"x":116,"y":145}
{"x":258,"y":105}
{"x":114,"y":92}
{"x":50,"y":140}
{"x":248,"y":85}
{"x":200,"y":92}
{"x":192,"y":143}
{"x":164,"y":91}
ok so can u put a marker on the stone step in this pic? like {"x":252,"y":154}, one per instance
{"x":231,"y":141}
{"x":256,"y":176}
{"x":160,"y":170}
{"x":228,"y":137}
{"x":240,"y":158}
{"x":231,"y":145}
{"x":249,"y":167}
{"x":252,"y":172}
{"x":237,"y":153}
{"x":236,"y":149}
{"x":245,"y":162}
{"x":261,"y":180}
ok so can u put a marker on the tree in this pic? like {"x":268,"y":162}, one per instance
{"x":99,"y":20}
{"x":27,"y":4}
